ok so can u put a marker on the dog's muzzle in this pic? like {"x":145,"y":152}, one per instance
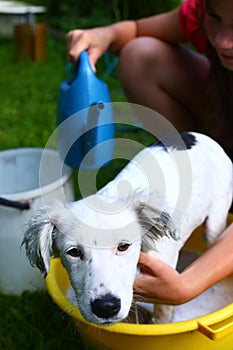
{"x":106,"y":307}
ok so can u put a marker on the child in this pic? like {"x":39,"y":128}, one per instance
{"x":192,"y":89}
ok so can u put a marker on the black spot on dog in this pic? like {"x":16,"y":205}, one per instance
{"x":180,"y":142}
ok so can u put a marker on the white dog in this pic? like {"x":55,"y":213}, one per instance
{"x":154,"y":204}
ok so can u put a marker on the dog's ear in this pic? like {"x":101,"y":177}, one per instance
{"x":38,"y":240}
{"x":155,"y":223}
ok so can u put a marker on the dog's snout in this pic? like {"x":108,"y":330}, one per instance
{"x":107,"y":306}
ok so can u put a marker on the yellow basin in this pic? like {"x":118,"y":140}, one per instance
{"x":213,"y":331}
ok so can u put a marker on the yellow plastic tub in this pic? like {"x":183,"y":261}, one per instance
{"x":213,"y":331}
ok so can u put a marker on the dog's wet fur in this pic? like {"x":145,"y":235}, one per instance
{"x":154,"y":204}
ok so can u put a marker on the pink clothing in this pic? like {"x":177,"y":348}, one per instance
{"x":191,"y":12}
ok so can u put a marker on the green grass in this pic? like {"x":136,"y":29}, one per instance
{"x":33,"y":322}
{"x":29,"y":93}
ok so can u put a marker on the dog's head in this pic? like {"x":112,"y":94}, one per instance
{"x":99,"y":250}
{"x":99,"y":245}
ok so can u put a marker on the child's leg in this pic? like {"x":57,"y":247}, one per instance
{"x":167,"y":78}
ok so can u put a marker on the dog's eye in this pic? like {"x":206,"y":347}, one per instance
{"x":123,"y":246}
{"x":75,"y":252}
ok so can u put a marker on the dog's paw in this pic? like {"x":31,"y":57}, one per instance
{"x":163,"y":314}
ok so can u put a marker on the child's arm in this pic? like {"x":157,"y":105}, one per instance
{"x":160,"y":282}
{"x":113,"y":37}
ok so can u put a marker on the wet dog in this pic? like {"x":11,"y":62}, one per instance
{"x":154,"y":204}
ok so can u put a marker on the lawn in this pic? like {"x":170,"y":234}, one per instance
{"x":28,"y":96}
{"x":33,"y":322}
{"x":29,"y":92}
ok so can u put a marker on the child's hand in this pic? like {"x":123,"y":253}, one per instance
{"x":158,"y":281}
{"x":96,"y":41}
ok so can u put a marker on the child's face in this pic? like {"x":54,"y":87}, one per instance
{"x":219,"y":29}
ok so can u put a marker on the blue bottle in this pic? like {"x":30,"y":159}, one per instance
{"x":85,"y":119}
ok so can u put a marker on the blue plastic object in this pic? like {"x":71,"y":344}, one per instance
{"x":85,"y":119}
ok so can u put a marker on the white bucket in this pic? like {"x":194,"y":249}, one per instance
{"x":29,"y":179}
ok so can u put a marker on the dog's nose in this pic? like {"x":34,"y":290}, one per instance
{"x":107,"y":306}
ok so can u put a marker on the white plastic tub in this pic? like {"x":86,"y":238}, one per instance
{"x":29,"y":179}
